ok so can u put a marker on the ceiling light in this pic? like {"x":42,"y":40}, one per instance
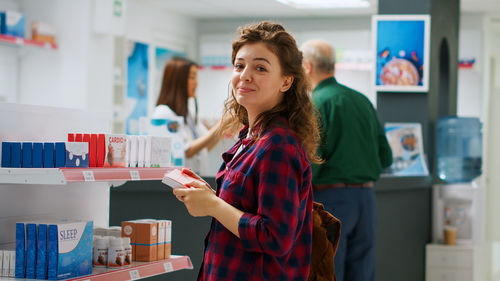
{"x":322,"y":4}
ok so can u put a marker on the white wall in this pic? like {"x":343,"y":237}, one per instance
{"x":470,"y":80}
{"x":348,"y":35}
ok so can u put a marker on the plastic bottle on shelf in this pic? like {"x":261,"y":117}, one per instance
{"x":116,"y":253}
{"x":100,"y":252}
{"x":128,"y":251}
{"x":459,"y":149}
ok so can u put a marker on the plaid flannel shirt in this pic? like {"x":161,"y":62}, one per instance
{"x":269,"y":180}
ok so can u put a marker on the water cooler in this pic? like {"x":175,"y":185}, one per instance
{"x":456,"y":201}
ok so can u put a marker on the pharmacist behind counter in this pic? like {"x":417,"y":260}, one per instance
{"x":180,"y":79}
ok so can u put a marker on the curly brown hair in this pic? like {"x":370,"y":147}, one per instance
{"x":296,"y":105}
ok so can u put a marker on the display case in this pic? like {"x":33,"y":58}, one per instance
{"x":73,"y":193}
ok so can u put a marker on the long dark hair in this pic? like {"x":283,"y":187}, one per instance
{"x":296,"y":105}
{"x":174,"y":87}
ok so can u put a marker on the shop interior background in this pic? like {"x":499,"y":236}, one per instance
{"x":87,"y":71}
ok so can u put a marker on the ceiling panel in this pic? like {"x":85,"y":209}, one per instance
{"x":212,"y":9}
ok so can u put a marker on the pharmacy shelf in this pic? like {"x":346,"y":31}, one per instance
{"x":18,"y":41}
{"x":64,"y":175}
{"x":138,"y":270}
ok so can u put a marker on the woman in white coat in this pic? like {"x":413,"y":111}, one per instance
{"x":180,"y":80}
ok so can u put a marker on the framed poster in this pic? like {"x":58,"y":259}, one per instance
{"x":407,"y":148}
{"x":401,"y":44}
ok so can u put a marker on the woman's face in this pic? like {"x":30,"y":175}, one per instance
{"x":192,"y":81}
{"x":258,"y":82}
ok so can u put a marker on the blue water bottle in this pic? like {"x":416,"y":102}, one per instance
{"x":459,"y":149}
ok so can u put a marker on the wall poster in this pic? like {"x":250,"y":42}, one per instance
{"x":407,"y":148}
{"x":401,"y":44}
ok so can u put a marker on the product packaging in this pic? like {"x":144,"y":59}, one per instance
{"x":176,"y":179}
{"x":43,"y":32}
{"x":60,"y":154}
{"x":116,"y":148}
{"x":77,"y":154}
{"x":37,"y":155}
{"x":20,"y":250}
{"x":30,"y":250}
{"x":101,"y":149}
{"x":100,"y":258}
{"x":78,"y":137}
{"x":12,"y":264}
{"x":173,"y":128}
{"x":6,"y":263}
{"x":146,"y":241}
{"x":162,"y":225}
{"x":116,"y":253}
{"x":70,"y":249}
{"x":134,"y":147}
{"x":6,"y":146}
{"x":168,"y":239}
{"x":41,"y":252}
{"x":141,"y":149}
{"x":12,"y":23}
{"x":158,"y":151}
{"x":15,"y":155}
{"x":1,"y":262}
{"x":128,"y":230}
{"x":27,"y":150}
{"x":93,"y":151}
{"x":48,"y":155}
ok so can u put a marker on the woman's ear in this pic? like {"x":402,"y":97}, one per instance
{"x":287,"y":83}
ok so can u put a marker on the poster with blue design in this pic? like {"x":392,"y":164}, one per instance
{"x":401,"y":44}
{"x":137,"y":85}
{"x":407,"y":148}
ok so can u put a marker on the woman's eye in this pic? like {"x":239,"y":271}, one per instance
{"x":238,"y":66}
{"x":260,"y":68}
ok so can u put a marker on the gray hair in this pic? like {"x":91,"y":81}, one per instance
{"x":320,"y":59}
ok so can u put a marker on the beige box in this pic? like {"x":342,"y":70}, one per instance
{"x":128,"y":230}
{"x":168,"y":239}
{"x":162,"y":224}
{"x":146,"y":240}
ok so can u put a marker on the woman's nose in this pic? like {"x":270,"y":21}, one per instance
{"x":246,"y":74}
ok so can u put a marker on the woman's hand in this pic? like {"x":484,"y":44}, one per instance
{"x":199,"y":197}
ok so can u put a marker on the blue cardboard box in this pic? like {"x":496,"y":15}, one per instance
{"x":41,"y":252}
{"x":30,"y":250}
{"x":20,"y":271}
{"x":70,"y":249}
{"x":6,"y":147}
{"x":12,"y":23}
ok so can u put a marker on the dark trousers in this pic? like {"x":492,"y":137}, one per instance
{"x":356,"y":209}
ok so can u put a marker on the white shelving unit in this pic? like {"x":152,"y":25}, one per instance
{"x":17,"y":41}
{"x":62,"y":176}
{"x":138,"y":270}
{"x":72,"y":193}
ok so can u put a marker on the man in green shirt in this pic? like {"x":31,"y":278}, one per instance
{"x":355,"y":150}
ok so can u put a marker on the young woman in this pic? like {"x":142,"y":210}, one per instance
{"x":262,"y":208}
{"x":180,"y":80}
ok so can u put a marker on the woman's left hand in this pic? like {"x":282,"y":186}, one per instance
{"x":200,"y":199}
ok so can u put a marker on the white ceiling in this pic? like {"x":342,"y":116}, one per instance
{"x":212,"y":9}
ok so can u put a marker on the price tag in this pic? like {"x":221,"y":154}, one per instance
{"x":168,"y":267}
{"x":134,"y":275}
{"x":134,"y":175}
{"x":88,"y":175}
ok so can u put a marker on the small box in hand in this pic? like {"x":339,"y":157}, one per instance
{"x":176,"y":179}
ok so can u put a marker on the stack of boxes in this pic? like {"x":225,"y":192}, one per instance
{"x":90,"y":150}
{"x":53,"y":250}
{"x":151,"y":240}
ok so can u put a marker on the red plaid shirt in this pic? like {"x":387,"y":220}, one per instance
{"x":269,"y":180}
